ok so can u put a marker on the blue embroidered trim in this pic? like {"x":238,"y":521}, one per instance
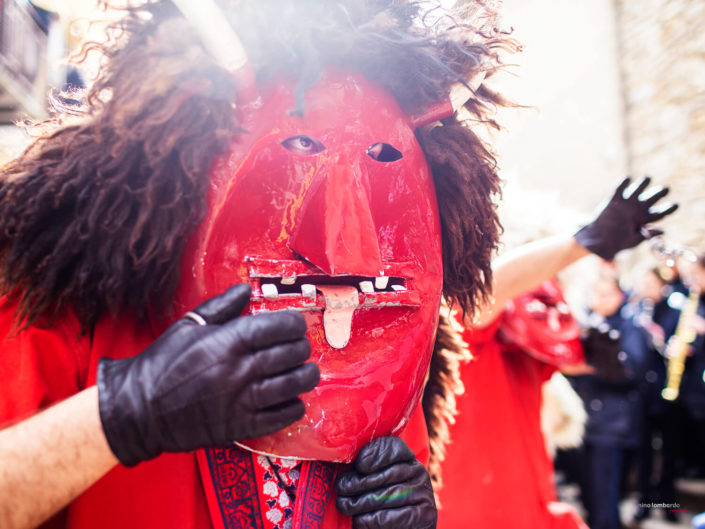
{"x":313,"y":492}
{"x":233,"y":475}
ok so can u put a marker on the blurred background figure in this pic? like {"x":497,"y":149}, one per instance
{"x":532,"y":336}
{"x":691,"y":397}
{"x":611,"y":400}
{"x":659,"y":426}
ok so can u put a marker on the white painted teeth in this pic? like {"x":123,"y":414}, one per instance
{"x":381,"y":282}
{"x":269,"y":291}
{"x":308,"y":291}
{"x":366,"y":287}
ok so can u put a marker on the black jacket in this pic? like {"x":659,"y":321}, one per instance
{"x":614,"y":406}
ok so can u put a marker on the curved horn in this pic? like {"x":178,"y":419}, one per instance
{"x":461,"y":93}
{"x":219,"y":38}
{"x":221,"y":43}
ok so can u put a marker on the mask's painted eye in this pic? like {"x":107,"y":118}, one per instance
{"x":383,"y":152}
{"x":305,"y":145}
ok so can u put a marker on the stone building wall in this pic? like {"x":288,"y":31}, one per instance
{"x":662,"y":63}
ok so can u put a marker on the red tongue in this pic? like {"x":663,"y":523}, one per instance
{"x":341,"y":302}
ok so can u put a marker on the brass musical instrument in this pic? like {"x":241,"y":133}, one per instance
{"x":678,"y":350}
{"x":684,"y":335}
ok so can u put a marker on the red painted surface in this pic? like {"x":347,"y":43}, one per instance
{"x":299,"y":197}
{"x":539,"y":323}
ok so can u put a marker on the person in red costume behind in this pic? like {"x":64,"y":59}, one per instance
{"x":222,"y":273}
{"x":517,"y":343}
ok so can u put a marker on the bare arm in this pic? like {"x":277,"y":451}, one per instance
{"x":525,"y":268}
{"x":50,"y":459}
{"x":621,"y":224}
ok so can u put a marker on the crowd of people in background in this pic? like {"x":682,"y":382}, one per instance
{"x":635,"y":439}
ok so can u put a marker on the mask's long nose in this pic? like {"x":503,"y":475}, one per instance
{"x":334,"y":228}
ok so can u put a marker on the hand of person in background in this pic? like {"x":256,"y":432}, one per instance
{"x":388,"y":488}
{"x":695,"y":322}
{"x":603,"y":352}
{"x":622,"y":223}
{"x":202,"y":385}
{"x":573,"y":370}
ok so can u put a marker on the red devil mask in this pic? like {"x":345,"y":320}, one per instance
{"x":331,"y":213}
{"x":540,"y":323}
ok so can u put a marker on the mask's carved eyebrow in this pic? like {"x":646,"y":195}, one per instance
{"x":383,"y":152}
{"x":305,"y":145}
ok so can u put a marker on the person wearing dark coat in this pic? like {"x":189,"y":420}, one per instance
{"x":612,"y":400}
{"x":656,"y":309}
{"x":692,"y":388}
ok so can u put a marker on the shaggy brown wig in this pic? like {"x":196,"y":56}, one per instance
{"x":450,"y":352}
{"x":94,"y":214}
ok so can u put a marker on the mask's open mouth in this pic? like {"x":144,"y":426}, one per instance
{"x":281,"y":284}
{"x":272,"y":287}
{"x":292,"y":284}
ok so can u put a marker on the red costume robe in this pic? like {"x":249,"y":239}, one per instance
{"x":497,"y":472}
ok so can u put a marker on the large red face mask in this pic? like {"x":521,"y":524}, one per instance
{"x":540,"y":323}
{"x":331,"y":213}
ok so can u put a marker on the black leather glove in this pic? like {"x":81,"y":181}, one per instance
{"x":207,"y":385}
{"x":622,"y":222}
{"x":387,"y":489}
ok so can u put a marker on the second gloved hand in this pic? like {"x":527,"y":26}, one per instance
{"x":388,"y":488}
{"x":622,"y":223}
{"x":207,"y":385}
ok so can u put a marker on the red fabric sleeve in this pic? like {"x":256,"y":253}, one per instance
{"x":478,"y":337}
{"x":38,"y":367}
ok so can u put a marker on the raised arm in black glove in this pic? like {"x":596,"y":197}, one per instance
{"x":207,"y":385}
{"x":622,"y":222}
{"x":387,"y":489}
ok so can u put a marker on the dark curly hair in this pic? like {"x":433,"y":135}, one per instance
{"x":94,"y":213}
{"x":450,"y":352}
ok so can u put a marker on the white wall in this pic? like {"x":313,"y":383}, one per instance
{"x":570,"y":146}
